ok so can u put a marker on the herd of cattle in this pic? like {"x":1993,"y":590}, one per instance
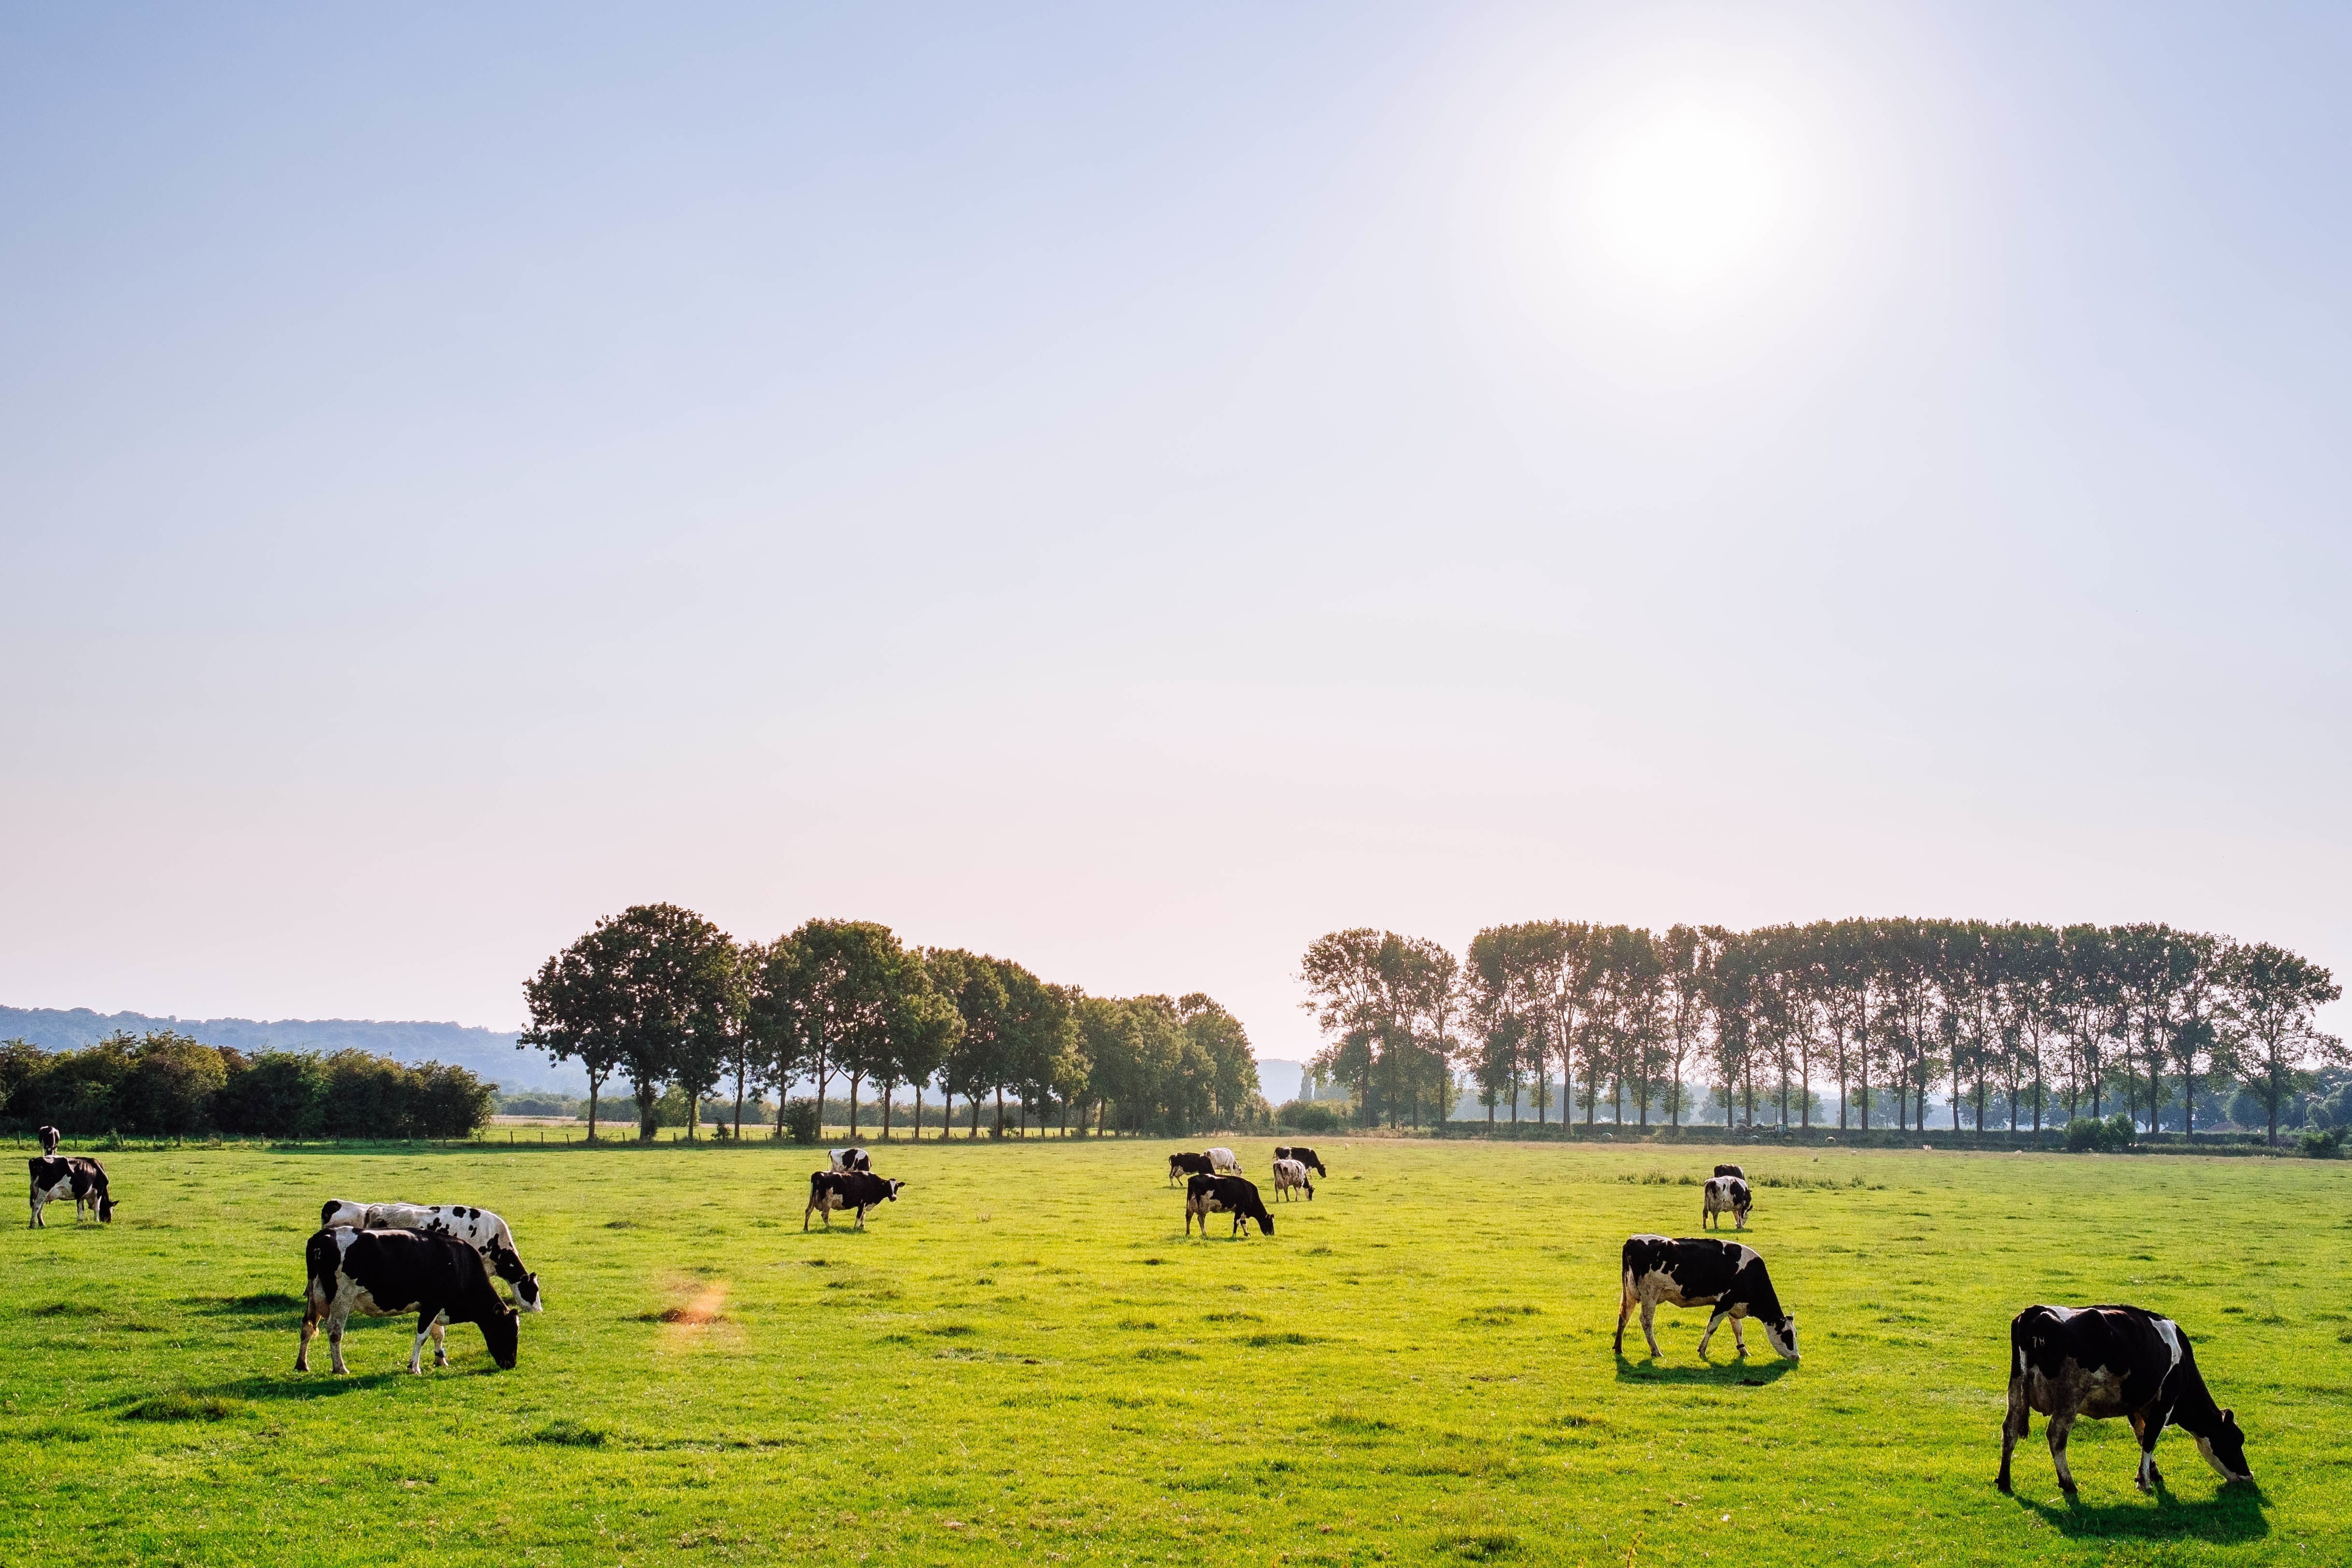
{"x":387,"y":1259}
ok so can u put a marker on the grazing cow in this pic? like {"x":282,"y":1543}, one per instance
{"x":1236,"y":1196}
{"x":477,"y":1227}
{"x":48,"y":1137}
{"x":851,"y":1159}
{"x":1221,"y":1160}
{"x":56,"y":1177}
{"x":1725,"y":1194}
{"x":383,"y":1273}
{"x":1731,"y":1170}
{"x":1699,"y":1271}
{"x":1189,"y":1164}
{"x":860,"y":1190}
{"x":2100,"y":1361}
{"x":1303,"y":1155}
{"x":1290,"y":1175}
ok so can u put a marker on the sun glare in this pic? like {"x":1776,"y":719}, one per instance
{"x":1687,"y":198}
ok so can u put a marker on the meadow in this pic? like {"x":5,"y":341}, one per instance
{"x":1025,"y":1358}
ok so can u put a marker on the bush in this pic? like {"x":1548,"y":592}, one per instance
{"x":2319,"y":1146}
{"x":2115,"y":1136}
{"x":801,"y":1121}
{"x":277,"y":1095}
{"x":1308,"y":1116}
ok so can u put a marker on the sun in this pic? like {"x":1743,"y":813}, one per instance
{"x":1686,"y":197}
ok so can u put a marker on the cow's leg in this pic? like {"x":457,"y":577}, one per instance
{"x":1624,"y":1311}
{"x":1650,"y":1328}
{"x":441,"y":1341}
{"x":310,"y":1327}
{"x":335,"y":1343}
{"x":1714,"y":1324}
{"x":861,"y":1217}
{"x":2148,"y":1428}
{"x":36,"y":1222}
{"x":2060,"y":1425}
{"x":1738,"y":1341}
{"x":2014,"y":1426}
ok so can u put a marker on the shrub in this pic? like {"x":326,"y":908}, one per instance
{"x":277,"y":1095}
{"x":2319,"y":1146}
{"x":801,"y":1121}
{"x":1308,"y":1116}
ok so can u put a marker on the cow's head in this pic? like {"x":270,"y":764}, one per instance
{"x":500,"y":1333}
{"x":1265,"y":1221}
{"x":893,"y":1193}
{"x":2224,"y":1449}
{"x":105,"y":1209}
{"x":1782,"y":1333}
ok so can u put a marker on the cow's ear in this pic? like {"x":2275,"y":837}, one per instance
{"x":2228,"y":1416}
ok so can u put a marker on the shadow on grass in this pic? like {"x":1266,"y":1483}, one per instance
{"x":1755,"y":1374}
{"x":267,"y":1304}
{"x":2235,"y":1513}
{"x":317,"y":1385}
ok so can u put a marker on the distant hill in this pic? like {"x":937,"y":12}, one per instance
{"x":1278,"y":1080}
{"x":486,"y":1052}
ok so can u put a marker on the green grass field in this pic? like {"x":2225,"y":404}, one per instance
{"x":1024,"y":1358}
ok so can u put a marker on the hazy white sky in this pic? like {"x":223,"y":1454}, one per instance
{"x":1133,"y":490}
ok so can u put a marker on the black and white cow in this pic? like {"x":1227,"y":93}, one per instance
{"x":1236,"y":1196}
{"x":49,"y":1137}
{"x":56,"y":1177}
{"x":851,"y":1159}
{"x":383,"y":1273}
{"x":860,"y":1190}
{"x":1702,"y":1272}
{"x":2100,"y":1361}
{"x":1725,"y":1194}
{"x":1731,"y":1170}
{"x":1303,"y":1155}
{"x":1223,"y":1160}
{"x":477,"y":1227}
{"x":1189,"y":1165}
{"x":1289,"y":1176}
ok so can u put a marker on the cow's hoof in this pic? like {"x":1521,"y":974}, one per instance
{"x":2001,"y":1484}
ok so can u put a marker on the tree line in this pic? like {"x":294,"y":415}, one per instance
{"x":659,"y":996}
{"x":166,"y":1084}
{"x":2026,"y":1019}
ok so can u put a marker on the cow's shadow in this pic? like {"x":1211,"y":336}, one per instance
{"x":320,"y":1384}
{"x":1754,"y":1373}
{"x":2237,"y":1513}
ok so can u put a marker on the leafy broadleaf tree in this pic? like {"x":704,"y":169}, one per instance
{"x":2272,"y":999}
{"x":643,"y":993}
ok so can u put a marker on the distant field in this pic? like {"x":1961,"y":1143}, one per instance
{"x":1025,"y":1359}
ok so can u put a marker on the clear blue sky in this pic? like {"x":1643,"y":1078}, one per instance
{"x":1131,"y":490}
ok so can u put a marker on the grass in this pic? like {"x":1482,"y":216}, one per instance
{"x":1398,"y":1375}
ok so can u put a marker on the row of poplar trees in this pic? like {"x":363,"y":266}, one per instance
{"x":660,"y":997}
{"x":1886,"y":1009}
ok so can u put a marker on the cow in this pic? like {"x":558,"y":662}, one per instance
{"x":860,"y":1190}
{"x":1290,"y":1175}
{"x":1236,"y":1196}
{"x":383,"y":1273}
{"x":1699,"y":1271}
{"x":56,"y":1177}
{"x":2100,"y":1361}
{"x":1731,"y":1170}
{"x":1223,"y":1160}
{"x":850,"y":1159}
{"x":1189,"y":1164}
{"x":49,"y":1137}
{"x":1725,"y":1194}
{"x":1303,"y":1155}
{"x":477,"y":1227}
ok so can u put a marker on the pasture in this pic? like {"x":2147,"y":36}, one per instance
{"x":1024,"y":1359}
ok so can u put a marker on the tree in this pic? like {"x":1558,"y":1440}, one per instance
{"x":1233,"y":1066}
{"x":974,"y":1060}
{"x":2271,"y":999}
{"x":831,"y":980}
{"x":643,"y":993}
{"x":744,"y":1054}
{"x":922,"y":1025}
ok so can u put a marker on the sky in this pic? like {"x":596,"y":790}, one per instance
{"x":1132,"y":490}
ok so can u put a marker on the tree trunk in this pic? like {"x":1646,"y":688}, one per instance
{"x":973,"y":1101}
{"x":645,"y":1113}
{"x":596,"y":1082}
{"x":888,"y":1091}
{"x":855,"y":1079}
{"x":739,"y":1107}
